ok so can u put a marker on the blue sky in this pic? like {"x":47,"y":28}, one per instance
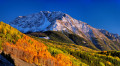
{"x":102,"y":14}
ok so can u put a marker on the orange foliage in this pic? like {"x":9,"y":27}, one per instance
{"x":108,"y":62}
{"x":17,"y":44}
{"x":33,"y":51}
{"x":104,"y":51}
{"x":63,"y":60}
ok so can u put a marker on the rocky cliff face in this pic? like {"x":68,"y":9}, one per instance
{"x":111,"y":36}
{"x":58,"y":21}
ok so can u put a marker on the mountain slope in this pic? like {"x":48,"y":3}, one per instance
{"x":25,"y":49}
{"x":84,"y":56}
{"x":64,"y":37}
{"x":58,"y":21}
{"x":111,"y":36}
{"x":22,"y":50}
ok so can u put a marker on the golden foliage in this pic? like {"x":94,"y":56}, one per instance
{"x":108,"y":62}
{"x":28,"y":49}
{"x":63,"y":60}
{"x":35,"y":53}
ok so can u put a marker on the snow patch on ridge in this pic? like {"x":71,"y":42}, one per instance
{"x":45,"y":37}
{"x":55,"y":21}
{"x":27,"y":24}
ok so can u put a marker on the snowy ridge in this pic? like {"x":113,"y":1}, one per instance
{"x":30,"y":24}
{"x":56,"y":21}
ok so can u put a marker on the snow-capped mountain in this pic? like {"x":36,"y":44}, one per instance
{"x":58,"y":21}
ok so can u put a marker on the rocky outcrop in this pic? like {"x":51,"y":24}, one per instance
{"x":58,"y":21}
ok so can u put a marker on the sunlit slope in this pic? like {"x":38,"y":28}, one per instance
{"x":42,"y":52}
{"x":26,"y":48}
{"x":81,"y":55}
{"x":57,"y":21}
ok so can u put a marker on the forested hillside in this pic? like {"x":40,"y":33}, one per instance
{"x":20,"y":49}
{"x":19,"y":45}
{"x":80,"y":55}
{"x":64,"y":28}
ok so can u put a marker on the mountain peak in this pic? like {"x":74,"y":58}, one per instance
{"x":37,"y":21}
{"x":58,"y":21}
